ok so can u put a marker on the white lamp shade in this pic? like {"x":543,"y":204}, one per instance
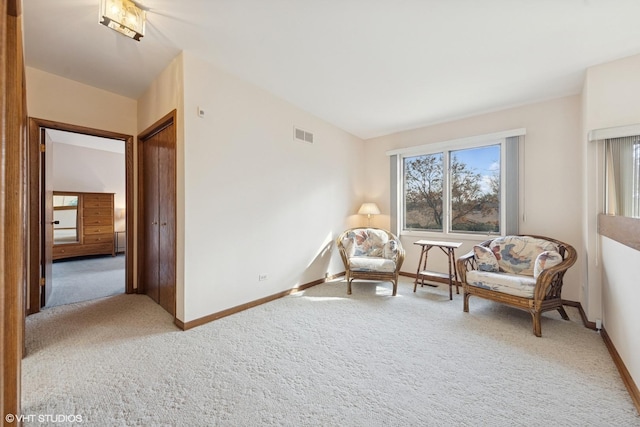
{"x":369,"y":209}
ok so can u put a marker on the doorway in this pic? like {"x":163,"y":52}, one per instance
{"x":91,"y":234}
{"x":89,"y":206}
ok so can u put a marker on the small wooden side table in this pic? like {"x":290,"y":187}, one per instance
{"x":449,"y":250}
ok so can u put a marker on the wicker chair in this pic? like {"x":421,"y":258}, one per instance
{"x":537,"y":293}
{"x":370,"y":254}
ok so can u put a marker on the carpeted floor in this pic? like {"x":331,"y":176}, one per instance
{"x":320,"y":357}
{"x":84,"y":279}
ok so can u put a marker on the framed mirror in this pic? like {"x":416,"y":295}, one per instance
{"x":65,"y":218}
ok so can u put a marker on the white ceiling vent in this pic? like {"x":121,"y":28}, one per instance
{"x":302,"y":135}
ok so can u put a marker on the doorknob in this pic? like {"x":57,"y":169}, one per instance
{"x":55,"y":222}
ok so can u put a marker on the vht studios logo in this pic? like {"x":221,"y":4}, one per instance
{"x":43,"y":418}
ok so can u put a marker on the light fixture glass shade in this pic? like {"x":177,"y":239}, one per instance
{"x":124,"y":17}
{"x":369,"y":209}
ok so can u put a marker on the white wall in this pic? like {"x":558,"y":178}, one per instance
{"x":620,"y":296}
{"x":250,"y":200}
{"x":255,"y":200}
{"x":552,"y":175}
{"x":89,"y":170}
{"x":610,"y":98}
{"x":52,"y":97}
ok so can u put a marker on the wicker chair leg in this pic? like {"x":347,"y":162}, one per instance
{"x":465,"y":307}
{"x":537,"y":328}
{"x":395,"y":287}
{"x":349,"y":286}
{"x":563,"y":313}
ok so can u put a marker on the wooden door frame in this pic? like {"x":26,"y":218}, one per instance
{"x":168,"y":120}
{"x":13,"y":178}
{"x":35,"y":166}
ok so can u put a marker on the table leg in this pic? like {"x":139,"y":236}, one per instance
{"x":415,"y":283}
{"x":424,"y":267}
{"x":455,"y":270}
{"x":450,"y":280}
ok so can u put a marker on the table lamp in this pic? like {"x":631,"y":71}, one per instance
{"x":369,"y":209}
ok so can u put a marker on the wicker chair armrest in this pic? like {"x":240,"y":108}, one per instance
{"x":342,"y":249}
{"x":549,"y":281}
{"x":399,"y":256}
{"x":466,"y":262}
{"x":466,"y":256}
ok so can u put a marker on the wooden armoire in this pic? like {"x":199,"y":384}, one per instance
{"x":94,"y":226}
{"x":157,"y":217}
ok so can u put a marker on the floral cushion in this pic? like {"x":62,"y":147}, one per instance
{"x":546,"y":259}
{"x":368,"y":242}
{"x":390,"y":249}
{"x":512,"y":284}
{"x":517,"y":254}
{"x":485,"y":258}
{"x":372,"y":264}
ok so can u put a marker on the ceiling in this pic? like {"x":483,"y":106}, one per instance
{"x":370,"y":67}
{"x":86,"y":141}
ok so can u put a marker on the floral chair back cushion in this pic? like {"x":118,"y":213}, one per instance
{"x":367,"y":242}
{"x":517,"y":254}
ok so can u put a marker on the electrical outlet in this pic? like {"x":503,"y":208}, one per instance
{"x":263,"y":276}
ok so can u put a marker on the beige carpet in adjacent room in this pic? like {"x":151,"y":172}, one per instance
{"x":322,"y":358}
{"x":84,"y":279}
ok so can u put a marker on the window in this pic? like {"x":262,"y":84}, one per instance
{"x":622,"y":165}
{"x":466,"y":187}
{"x":423,"y":192}
{"x":472,"y":189}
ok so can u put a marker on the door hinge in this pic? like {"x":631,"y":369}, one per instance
{"x":43,"y":281}
{"x":43,"y":148}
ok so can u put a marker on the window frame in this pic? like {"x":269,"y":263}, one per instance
{"x":445,"y":147}
{"x":446,"y":153}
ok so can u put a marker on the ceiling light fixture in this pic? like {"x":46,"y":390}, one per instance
{"x":123,"y":16}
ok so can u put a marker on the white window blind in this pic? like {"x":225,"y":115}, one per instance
{"x":622,"y":166}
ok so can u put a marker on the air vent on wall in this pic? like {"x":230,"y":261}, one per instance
{"x":302,"y":135}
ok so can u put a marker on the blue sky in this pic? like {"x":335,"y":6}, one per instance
{"x":483,"y":160}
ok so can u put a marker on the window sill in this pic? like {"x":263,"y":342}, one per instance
{"x":622,"y":229}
